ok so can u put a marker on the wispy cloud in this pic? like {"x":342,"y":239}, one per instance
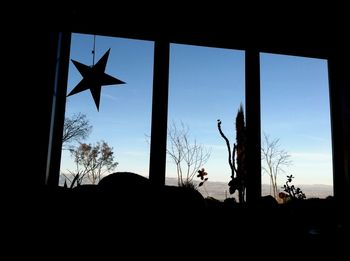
{"x":315,"y":138}
{"x":133,"y":153}
{"x":311,"y":156}
{"x":214,"y":146}
{"x":110,"y":97}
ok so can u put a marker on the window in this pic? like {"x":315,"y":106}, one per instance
{"x":295,"y":110}
{"x":124,"y":116}
{"x":205,"y":84}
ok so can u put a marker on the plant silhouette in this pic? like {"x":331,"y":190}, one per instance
{"x":293,"y":192}
{"x":237,"y":159}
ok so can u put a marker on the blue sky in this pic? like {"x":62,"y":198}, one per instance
{"x":205,"y":84}
{"x":295,"y":109}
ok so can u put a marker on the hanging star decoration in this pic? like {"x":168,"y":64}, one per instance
{"x":93,"y":78}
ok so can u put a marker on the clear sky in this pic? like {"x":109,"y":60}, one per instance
{"x":205,"y":84}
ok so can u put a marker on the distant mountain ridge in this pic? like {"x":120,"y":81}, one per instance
{"x":219,"y":190}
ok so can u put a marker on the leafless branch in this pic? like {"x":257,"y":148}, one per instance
{"x":76,"y":128}
{"x":274,"y":160}
{"x":188,"y":156}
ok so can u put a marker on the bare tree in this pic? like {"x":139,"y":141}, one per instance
{"x":76,"y":128}
{"x":92,"y":162}
{"x":274,"y":160}
{"x":189,"y":157}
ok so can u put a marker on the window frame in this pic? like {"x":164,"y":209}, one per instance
{"x":338,"y":80}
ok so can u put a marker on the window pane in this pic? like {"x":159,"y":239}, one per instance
{"x":295,"y":110}
{"x":124,"y":115}
{"x":205,"y":84}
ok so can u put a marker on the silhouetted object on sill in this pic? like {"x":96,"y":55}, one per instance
{"x":237,"y":159}
{"x":293,"y":192}
{"x":127,"y":192}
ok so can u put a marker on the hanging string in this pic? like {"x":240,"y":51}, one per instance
{"x":93,"y":51}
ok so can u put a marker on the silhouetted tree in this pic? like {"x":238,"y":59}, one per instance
{"x":76,"y":128}
{"x":92,"y":162}
{"x":237,"y":159}
{"x":188,"y":156}
{"x":273,"y":160}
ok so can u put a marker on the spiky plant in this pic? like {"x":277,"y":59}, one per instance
{"x":237,"y":159}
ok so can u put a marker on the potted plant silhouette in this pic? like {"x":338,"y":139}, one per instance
{"x":237,"y":158}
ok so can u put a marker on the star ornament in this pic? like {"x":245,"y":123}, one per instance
{"x":94,"y":78}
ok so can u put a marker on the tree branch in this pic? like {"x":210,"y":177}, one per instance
{"x":228,"y":148}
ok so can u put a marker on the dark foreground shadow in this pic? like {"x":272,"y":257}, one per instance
{"x":126,"y":208}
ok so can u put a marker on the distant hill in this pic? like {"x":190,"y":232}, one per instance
{"x":219,"y":190}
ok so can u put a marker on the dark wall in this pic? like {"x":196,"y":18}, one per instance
{"x":339,"y":81}
{"x":33,"y":63}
